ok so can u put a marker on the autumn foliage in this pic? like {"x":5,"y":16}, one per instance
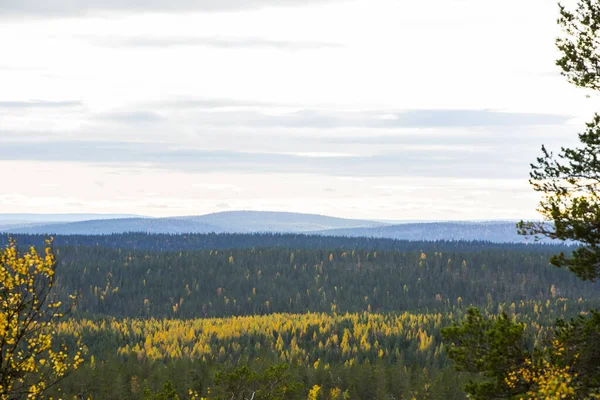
{"x":30,"y":359}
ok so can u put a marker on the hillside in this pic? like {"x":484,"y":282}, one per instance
{"x":230,"y":222}
{"x":107,"y":227}
{"x":269,"y":221}
{"x":279,"y":222}
{"x":494,"y":231}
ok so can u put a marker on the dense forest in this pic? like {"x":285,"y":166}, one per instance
{"x":352,"y":317}
{"x":220,"y":283}
{"x":219,"y":241}
{"x":365,"y":355}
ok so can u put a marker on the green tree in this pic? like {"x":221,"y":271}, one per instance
{"x":578,"y":343}
{"x":570,"y":181}
{"x":168,"y":392}
{"x":276,"y":383}
{"x":494,"y":347}
{"x":579,"y":44}
{"x":570,"y":185}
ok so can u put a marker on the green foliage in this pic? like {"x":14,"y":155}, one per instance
{"x":494,"y":347}
{"x":570,"y":182}
{"x":579,"y":341}
{"x":368,"y":355}
{"x":168,"y":392}
{"x":149,"y":317}
{"x":276,"y":383}
{"x":121,"y":379}
{"x":570,"y":185}
{"x":192,"y":284}
{"x":255,"y":312}
{"x":228,"y":241}
{"x":564,"y":364}
{"x":580,"y":61}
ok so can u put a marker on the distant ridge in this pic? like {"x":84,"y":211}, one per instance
{"x":275,"y":221}
{"x":14,"y":222}
{"x":282,"y":222}
{"x":492,"y":231}
{"x":23,"y":218}
{"x":123,"y":225}
{"x":223,"y":222}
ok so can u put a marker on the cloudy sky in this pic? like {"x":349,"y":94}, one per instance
{"x":380,"y":109}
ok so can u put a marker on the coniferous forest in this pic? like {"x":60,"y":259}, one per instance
{"x":337,"y":318}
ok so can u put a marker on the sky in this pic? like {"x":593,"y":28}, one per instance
{"x":380,"y":109}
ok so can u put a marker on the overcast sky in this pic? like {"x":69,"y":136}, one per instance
{"x":380,"y":109}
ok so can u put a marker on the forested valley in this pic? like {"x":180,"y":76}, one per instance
{"x":342,"y":318}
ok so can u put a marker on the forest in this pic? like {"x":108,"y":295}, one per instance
{"x":342,"y":319}
{"x":219,"y":241}
{"x":220,"y":283}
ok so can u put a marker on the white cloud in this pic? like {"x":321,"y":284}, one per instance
{"x":360,"y":108}
{"x":316,"y":154}
{"x":217,"y":186}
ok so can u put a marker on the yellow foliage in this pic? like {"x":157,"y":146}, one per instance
{"x":548,"y":381}
{"x":335,"y":394}
{"x":30,"y":360}
{"x":314,"y":393}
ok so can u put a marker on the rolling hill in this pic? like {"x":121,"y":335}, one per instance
{"x":121,"y":225}
{"x":269,"y":221}
{"x":492,"y":231}
{"x":225,"y":222}
{"x":281,"y":222}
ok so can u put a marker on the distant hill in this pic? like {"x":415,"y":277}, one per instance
{"x":29,"y":222}
{"x":122,"y":225}
{"x":269,"y":221}
{"x":281,"y":222}
{"x":493,"y":231}
{"x":225,"y":222}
